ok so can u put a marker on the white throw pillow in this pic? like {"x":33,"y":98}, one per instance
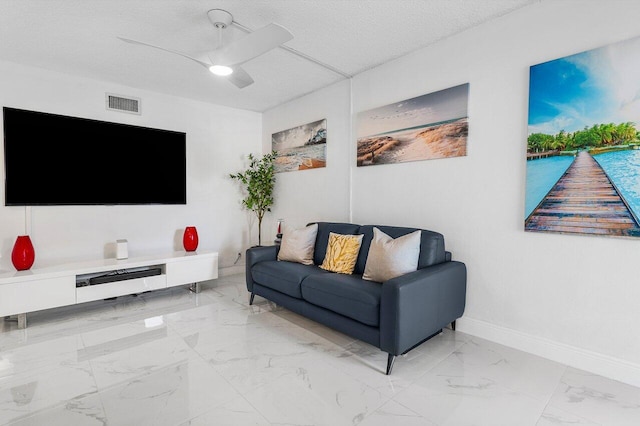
{"x":389,"y":258}
{"x":297,"y":244}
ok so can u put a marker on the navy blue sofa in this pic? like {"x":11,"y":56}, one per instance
{"x":395,"y":316}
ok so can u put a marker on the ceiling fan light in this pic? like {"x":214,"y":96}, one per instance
{"x":221,"y":70}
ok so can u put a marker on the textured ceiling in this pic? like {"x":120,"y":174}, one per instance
{"x":80,"y":37}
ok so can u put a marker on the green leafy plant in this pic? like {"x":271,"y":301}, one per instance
{"x":258,"y":182}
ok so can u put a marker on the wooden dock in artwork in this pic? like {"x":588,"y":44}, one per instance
{"x":537,"y":155}
{"x":584,"y":201}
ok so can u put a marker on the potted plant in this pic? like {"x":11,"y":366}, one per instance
{"x":258,"y":181}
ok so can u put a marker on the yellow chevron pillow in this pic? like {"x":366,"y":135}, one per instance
{"x":342,"y":253}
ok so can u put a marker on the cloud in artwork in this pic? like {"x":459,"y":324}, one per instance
{"x":296,"y":136}
{"x":596,"y":86}
{"x":431,"y":108}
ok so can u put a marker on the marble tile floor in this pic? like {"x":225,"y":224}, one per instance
{"x":173,"y":357}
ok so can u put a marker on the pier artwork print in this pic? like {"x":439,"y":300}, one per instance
{"x":583,"y":144}
{"x":426,"y":127}
{"x":301,"y":148}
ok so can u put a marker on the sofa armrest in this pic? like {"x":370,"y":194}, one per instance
{"x":414,"y":306}
{"x":255,"y":255}
{"x":261,"y":253}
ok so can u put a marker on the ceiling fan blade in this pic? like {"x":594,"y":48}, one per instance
{"x":240,"y":78}
{"x":204,"y":64}
{"x":252,"y":45}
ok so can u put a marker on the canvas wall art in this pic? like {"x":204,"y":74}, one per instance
{"x":302,"y":147}
{"x":426,"y":127}
{"x":583,"y":157}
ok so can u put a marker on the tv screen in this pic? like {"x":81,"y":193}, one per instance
{"x":54,"y":159}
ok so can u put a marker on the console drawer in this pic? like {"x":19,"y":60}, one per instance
{"x":28,"y":296}
{"x":192,"y":270}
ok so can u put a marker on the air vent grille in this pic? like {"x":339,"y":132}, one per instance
{"x":122,"y":104}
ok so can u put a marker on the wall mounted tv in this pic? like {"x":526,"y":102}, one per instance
{"x":54,"y":159}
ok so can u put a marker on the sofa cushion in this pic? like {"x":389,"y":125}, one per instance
{"x":297,"y":244}
{"x":348,"y":295}
{"x":391,"y":257}
{"x":342,"y":253}
{"x":322,"y":239}
{"x":283,"y":276}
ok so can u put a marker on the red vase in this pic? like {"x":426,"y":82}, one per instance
{"x":23,"y":253}
{"x":190,"y":238}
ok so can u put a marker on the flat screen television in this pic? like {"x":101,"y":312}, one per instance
{"x":52,"y":159}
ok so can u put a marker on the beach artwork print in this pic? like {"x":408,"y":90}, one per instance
{"x":301,"y":148}
{"x":583,"y":156}
{"x":426,"y":127}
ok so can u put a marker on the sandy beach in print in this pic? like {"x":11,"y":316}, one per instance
{"x":426,"y":127}
{"x":302,"y":158}
{"x":437,"y":141}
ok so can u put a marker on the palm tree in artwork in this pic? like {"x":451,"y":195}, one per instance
{"x":626,"y":132}
{"x":605,"y":133}
{"x":560,"y":140}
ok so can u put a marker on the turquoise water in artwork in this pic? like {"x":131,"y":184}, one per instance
{"x":622,"y":167}
{"x":542,"y":174}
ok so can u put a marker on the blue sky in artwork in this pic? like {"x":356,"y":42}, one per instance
{"x":556,"y":83}
{"x":597,"y":86}
{"x":433,"y":107}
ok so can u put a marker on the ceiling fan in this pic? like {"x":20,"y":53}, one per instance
{"x":227,"y":60}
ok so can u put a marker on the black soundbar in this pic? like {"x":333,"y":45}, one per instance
{"x":121,"y":276}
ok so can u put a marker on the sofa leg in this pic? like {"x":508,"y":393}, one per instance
{"x":251,"y":298}
{"x":390,"y":360}
{"x":453,"y":325}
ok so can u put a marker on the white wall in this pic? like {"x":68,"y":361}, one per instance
{"x":320,"y":194}
{"x":570,"y":298}
{"x":218,"y":139}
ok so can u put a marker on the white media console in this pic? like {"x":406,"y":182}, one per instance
{"x":68,"y":284}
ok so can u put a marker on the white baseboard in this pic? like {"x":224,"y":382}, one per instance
{"x":603,"y":365}
{"x":231,"y":270}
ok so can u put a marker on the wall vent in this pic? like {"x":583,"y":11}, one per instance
{"x":122,"y":104}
